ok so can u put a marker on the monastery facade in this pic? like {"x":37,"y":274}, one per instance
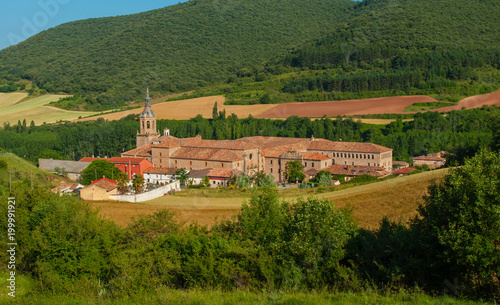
{"x":251,"y":154}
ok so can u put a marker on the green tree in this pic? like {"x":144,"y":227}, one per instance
{"x":293,"y":171}
{"x":461,"y":215}
{"x":315,"y":236}
{"x":205,"y":181}
{"x":122,"y":183}
{"x":243,"y":180}
{"x":98,"y":169}
{"x":182,"y":175}
{"x":261,"y":179}
{"x":215,"y":112}
{"x":138,"y":183}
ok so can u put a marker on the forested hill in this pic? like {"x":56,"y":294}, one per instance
{"x":424,"y":46}
{"x":180,"y":47}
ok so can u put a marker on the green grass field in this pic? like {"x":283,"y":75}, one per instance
{"x":427,"y":106}
{"x":212,"y":297}
{"x":15,"y":107}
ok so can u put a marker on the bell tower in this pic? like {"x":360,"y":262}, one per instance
{"x":147,"y":121}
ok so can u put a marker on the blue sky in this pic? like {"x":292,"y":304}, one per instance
{"x":20,"y":19}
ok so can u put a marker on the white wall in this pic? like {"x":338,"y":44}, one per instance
{"x":156,"y":193}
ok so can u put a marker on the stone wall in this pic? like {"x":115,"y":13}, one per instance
{"x":156,"y":193}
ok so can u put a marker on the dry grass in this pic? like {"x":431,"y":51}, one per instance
{"x":379,"y":121}
{"x":396,"y":199}
{"x":15,"y":106}
{"x":190,"y":108}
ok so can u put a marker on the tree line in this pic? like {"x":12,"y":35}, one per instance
{"x":461,"y":132}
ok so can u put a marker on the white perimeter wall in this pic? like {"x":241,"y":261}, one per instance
{"x":156,"y":193}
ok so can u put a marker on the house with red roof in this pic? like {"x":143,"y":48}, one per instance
{"x":99,"y":190}
{"x":127,"y":165}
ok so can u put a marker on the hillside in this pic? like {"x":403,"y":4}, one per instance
{"x":179,"y":47}
{"x":448,"y":50}
{"x":21,"y":172}
{"x":412,"y":47}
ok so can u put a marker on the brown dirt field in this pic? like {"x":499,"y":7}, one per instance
{"x":476,"y":101}
{"x":186,"y":109}
{"x":353,"y":107}
{"x":373,"y":106}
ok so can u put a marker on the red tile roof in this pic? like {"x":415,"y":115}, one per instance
{"x":167,"y":141}
{"x":351,"y":170}
{"x":314,"y":156}
{"x":206,"y":154}
{"x":429,"y":158}
{"x":403,"y":171}
{"x":222,"y":173}
{"x":321,"y":144}
{"x":128,"y":160}
{"x":105,"y":183}
{"x":277,"y":151}
{"x":143,"y":151}
{"x":220,"y":144}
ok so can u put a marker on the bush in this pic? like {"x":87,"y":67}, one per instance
{"x":461,"y":217}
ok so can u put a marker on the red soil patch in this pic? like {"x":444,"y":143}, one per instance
{"x":476,"y":101}
{"x":381,"y":105}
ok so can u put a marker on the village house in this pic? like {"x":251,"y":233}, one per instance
{"x":432,"y":160}
{"x":249,"y":155}
{"x":129,"y":166}
{"x":70,"y":169}
{"x":99,"y":190}
{"x":159,"y":175}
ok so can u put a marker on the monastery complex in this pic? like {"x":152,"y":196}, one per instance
{"x":252,"y":154}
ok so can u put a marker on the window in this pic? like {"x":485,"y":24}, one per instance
{"x":356,"y":156}
{"x":352,"y":163}
{"x":271,"y":170}
{"x":312,"y":164}
{"x":305,"y":164}
{"x":149,"y":124}
{"x":271,"y":162}
{"x":349,"y":155}
{"x":214,"y":182}
{"x":190,"y":162}
{"x":373,"y":156}
{"x":222,"y":165}
{"x":206,"y":163}
{"x":160,"y":154}
{"x":250,"y":157}
{"x":175,"y":162}
{"x":368,"y":164}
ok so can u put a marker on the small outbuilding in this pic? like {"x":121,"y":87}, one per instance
{"x":99,"y":190}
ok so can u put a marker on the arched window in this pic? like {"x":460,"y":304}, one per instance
{"x":149,"y":125}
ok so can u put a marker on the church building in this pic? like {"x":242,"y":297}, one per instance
{"x":251,"y":154}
